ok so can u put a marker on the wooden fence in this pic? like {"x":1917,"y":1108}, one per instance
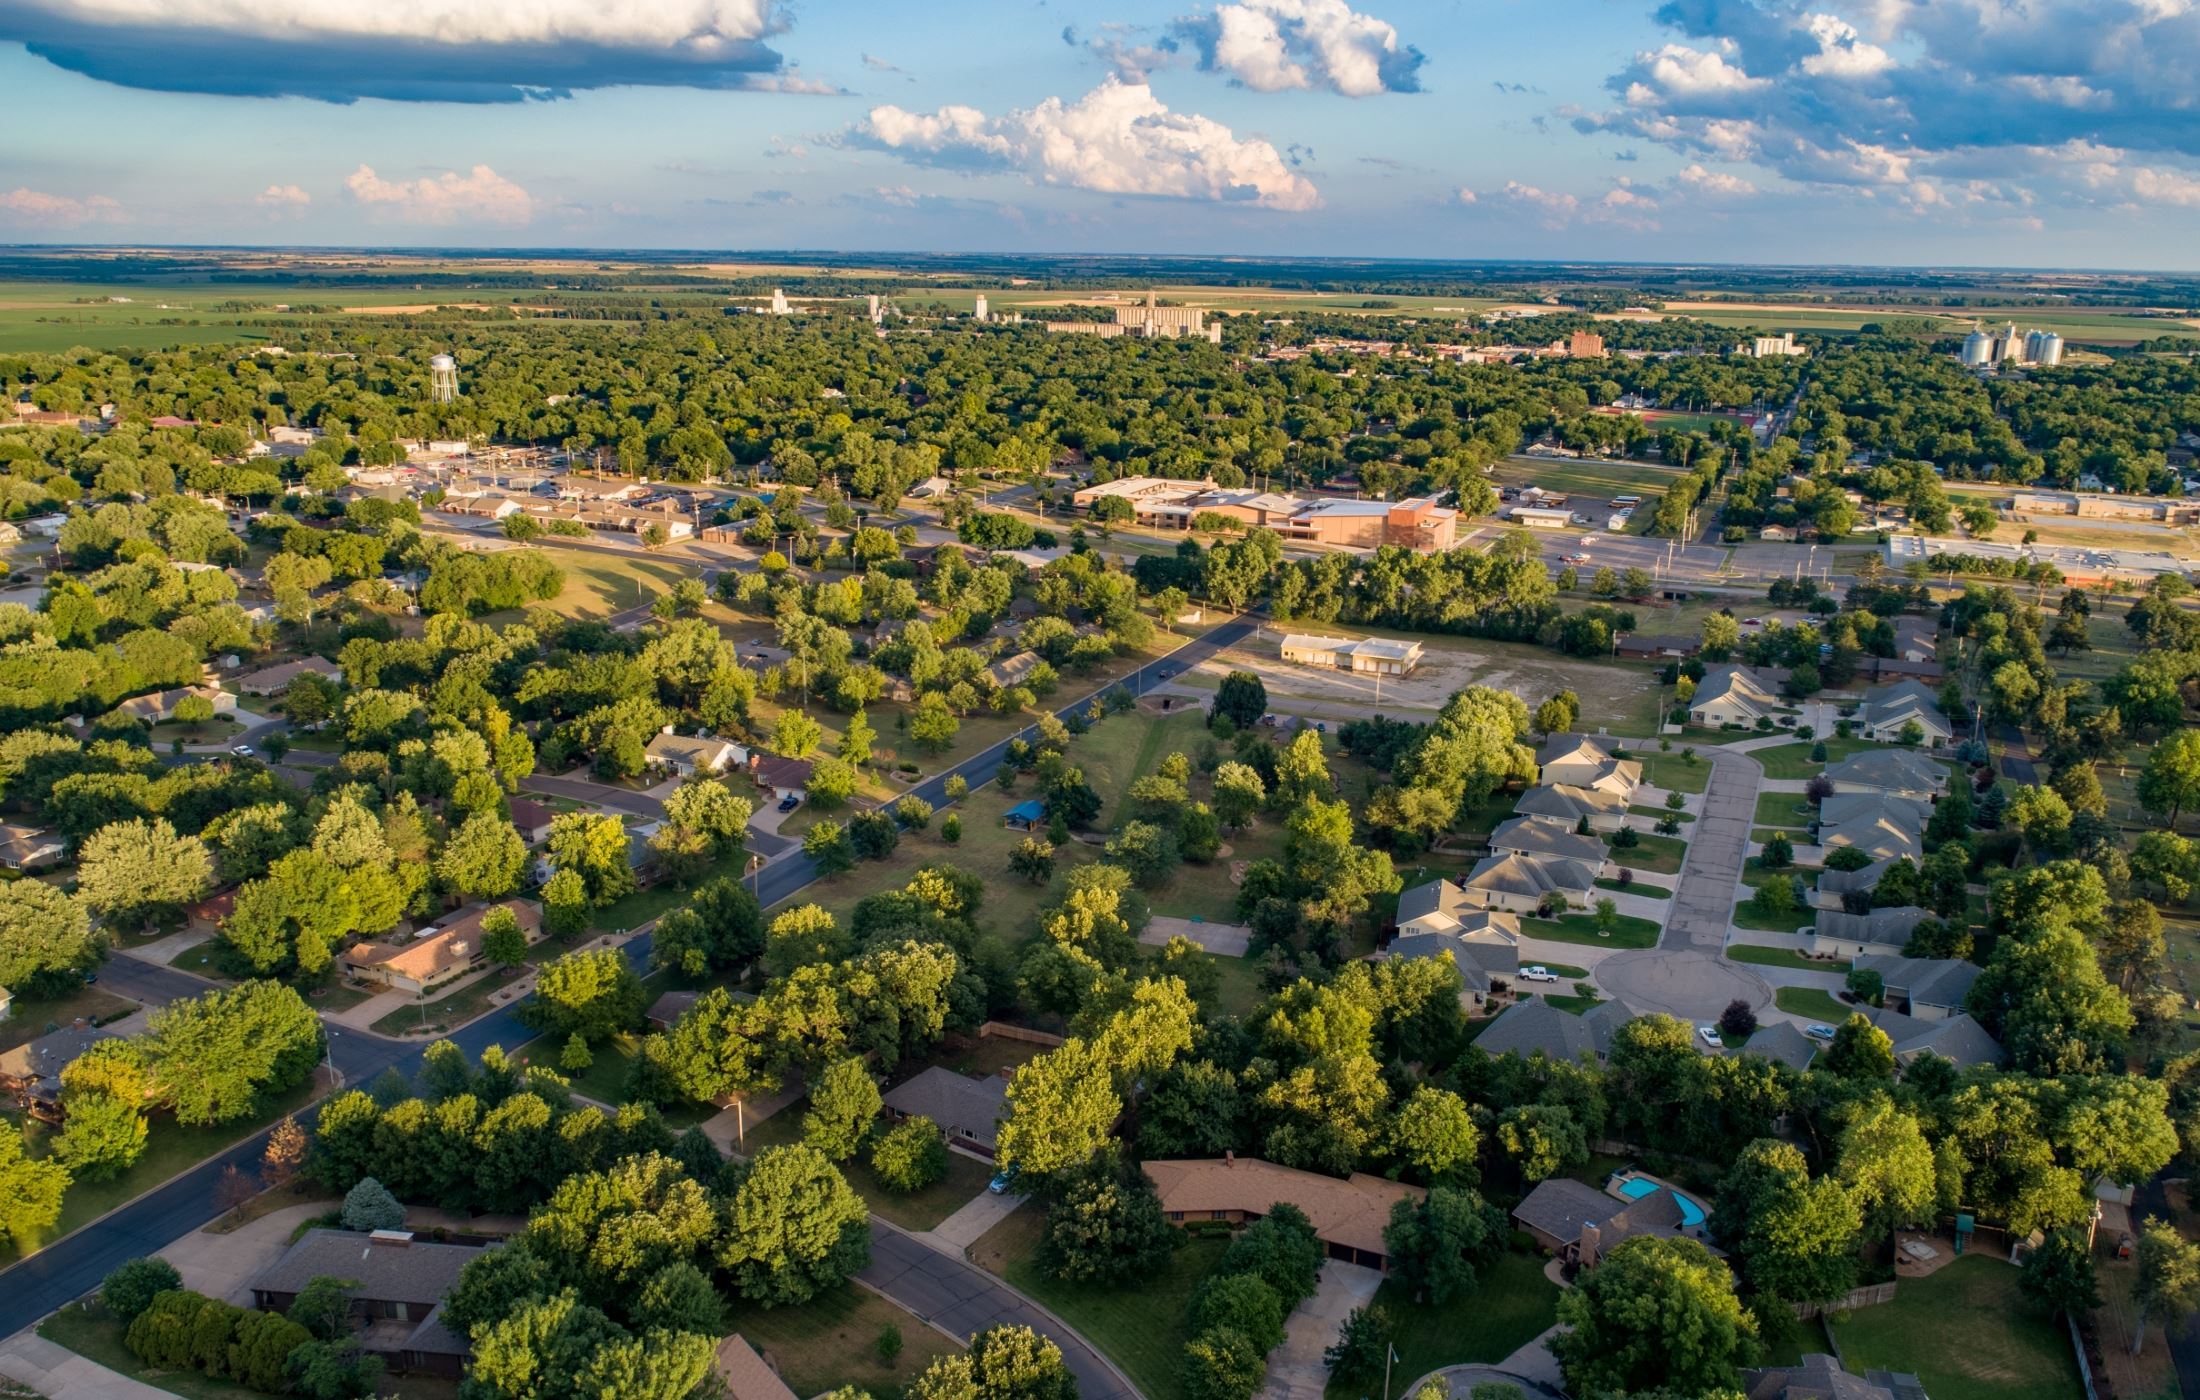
{"x":1024,"y":1033}
{"x":1864,"y":1297}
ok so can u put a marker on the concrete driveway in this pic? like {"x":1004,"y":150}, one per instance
{"x":1717,"y":843}
{"x":223,"y":1266}
{"x":1295,"y":1369}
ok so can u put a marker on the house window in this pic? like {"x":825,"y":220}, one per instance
{"x":1218,"y":1215}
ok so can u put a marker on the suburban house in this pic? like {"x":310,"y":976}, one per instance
{"x":693,"y":755}
{"x":1878,"y":825}
{"x":1348,"y":1216}
{"x":1521,"y":884}
{"x":1927,"y":988}
{"x":1895,"y":772}
{"x":435,"y":957}
{"x":1443,"y":907}
{"x":531,"y":819}
{"x":1820,"y":1377}
{"x":1485,"y":965}
{"x":1832,"y":884}
{"x":1581,"y":1224}
{"x":1578,"y":761}
{"x":1731,"y":695}
{"x":274,"y":680}
{"x":1957,"y":1039}
{"x":397,"y":1284}
{"x":27,"y":848}
{"x":781,"y":777}
{"x":744,"y":1374}
{"x":670,"y":1007}
{"x":1882,"y":932}
{"x":968,"y":1110}
{"x":1783,"y":1043}
{"x":1533,"y":836}
{"x":1886,"y":715}
{"x":1027,"y":815}
{"x":1916,"y":639}
{"x":1532,"y":1028}
{"x":30,"y":1074}
{"x":1013,"y":670}
{"x":1369,"y":655}
{"x":161,"y":705}
{"x":1557,"y":802}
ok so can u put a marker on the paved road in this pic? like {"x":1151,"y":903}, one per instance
{"x":637,"y":804}
{"x":2016,"y":756}
{"x":74,"y":1266}
{"x":962,"y":1298}
{"x":1718,"y":841}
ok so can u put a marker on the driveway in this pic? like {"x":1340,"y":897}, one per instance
{"x":1295,"y":1369}
{"x":1717,"y":843}
{"x":1228,"y":940}
{"x":981,"y":1213}
{"x":1691,"y":984}
{"x":223,"y":1266}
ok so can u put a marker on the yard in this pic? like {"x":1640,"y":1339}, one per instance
{"x":1760,"y":956}
{"x":1511,"y":1306}
{"x":1675,"y":772}
{"x":1747,"y":916}
{"x":1142,"y":1329}
{"x":1792,"y":761}
{"x":1812,"y":1003}
{"x":1660,"y":855}
{"x":1967,"y":1333}
{"x":29,"y":1019}
{"x":918,"y":1210}
{"x":1627,"y":931}
{"x":1785,"y":809}
{"x":832,"y":1341}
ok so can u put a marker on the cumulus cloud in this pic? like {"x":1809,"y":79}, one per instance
{"x":1117,"y":139}
{"x":1713,"y":182}
{"x":406,"y":50}
{"x":1275,"y":45}
{"x":481,"y":196}
{"x":282,"y":197}
{"x":29,"y":206}
{"x":1625,"y":205}
{"x":1931,"y":106}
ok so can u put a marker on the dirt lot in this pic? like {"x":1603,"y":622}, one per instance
{"x":1617,"y":695}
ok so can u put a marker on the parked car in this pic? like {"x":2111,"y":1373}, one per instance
{"x":789,"y":802}
{"x":1710,"y":1036}
{"x":1819,"y":1030}
{"x":1001,"y":1181}
{"x":242,"y":751}
{"x":1537,"y":972}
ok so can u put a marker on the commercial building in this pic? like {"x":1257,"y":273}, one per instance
{"x":1766,"y":347}
{"x":1543,"y":517}
{"x":2101,"y":505}
{"x":1417,"y":523}
{"x":2080,"y":566}
{"x":1379,"y":656}
{"x":1348,"y":1216}
{"x":1585,"y":345}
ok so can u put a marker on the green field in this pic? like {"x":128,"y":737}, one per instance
{"x":1600,"y":479}
{"x":54,"y":316}
{"x":2101,"y":327}
{"x":1811,"y":1002}
{"x":1967,"y":1333}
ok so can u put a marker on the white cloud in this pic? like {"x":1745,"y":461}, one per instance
{"x":479,"y":196}
{"x":693,"y":24}
{"x":282,"y":197}
{"x":1842,"y":52}
{"x":1467,"y":196}
{"x":1276,"y":45}
{"x":2154,"y":186}
{"x":1681,"y":71}
{"x":1117,"y":139}
{"x":1714,"y":182}
{"x":38,"y":207}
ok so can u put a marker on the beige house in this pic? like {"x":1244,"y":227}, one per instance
{"x":1348,"y":1216}
{"x":1892,"y":711}
{"x":439,"y":955}
{"x":693,"y":755}
{"x":1534,"y":836}
{"x":1577,"y":760}
{"x":1442,"y":907}
{"x":1731,"y":695}
{"x":1522,"y":884}
{"x":274,"y":680}
{"x":1567,"y":806}
{"x":161,"y":705}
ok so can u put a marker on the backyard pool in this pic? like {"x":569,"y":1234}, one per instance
{"x":1634,"y":1188}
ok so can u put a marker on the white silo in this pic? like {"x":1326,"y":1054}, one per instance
{"x":2012,"y":344}
{"x":779,"y":303}
{"x":1978,"y":349}
{"x":443,"y":378}
{"x":978,"y":311}
{"x":2049,"y":350}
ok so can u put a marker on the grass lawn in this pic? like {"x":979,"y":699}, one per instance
{"x":1641,"y":887}
{"x":1788,"y":1338}
{"x":1584,"y":999}
{"x":1794,"y":760}
{"x":2008,"y":1349}
{"x":1758,"y":955}
{"x":1784,"y":809}
{"x":1747,"y":917}
{"x":1656,"y":812}
{"x":832,"y":1341}
{"x":1240,"y":991}
{"x":30,"y":1019}
{"x":1143,"y":1329}
{"x":1628,"y":932}
{"x":170,"y":1148}
{"x":1811,"y":1002}
{"x":1660,"y":855}
{"x":1512,"y":1304}
{"x":454,"y":1009}
{"x":217,"y":730}
{"x":1673,"y":771}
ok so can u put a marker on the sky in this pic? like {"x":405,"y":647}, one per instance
{"x":2052,"y":133}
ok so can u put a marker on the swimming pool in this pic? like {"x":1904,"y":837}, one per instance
{"x":1634,"y":1188}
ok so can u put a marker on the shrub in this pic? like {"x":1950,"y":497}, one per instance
{"x":370,"y":1206}
{"x":910,"y":1156}
{"x":1738,"y":1021}
{"x":131,"y":1288}
{"x":951,"y":828}
{"x":1243,"y":1303}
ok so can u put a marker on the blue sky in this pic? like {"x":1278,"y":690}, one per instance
{"x":2065,"y":133}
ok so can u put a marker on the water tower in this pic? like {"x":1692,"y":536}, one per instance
{"x":443,"y":378}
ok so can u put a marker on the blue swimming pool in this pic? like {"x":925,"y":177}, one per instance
{"x":1634,"y":1188}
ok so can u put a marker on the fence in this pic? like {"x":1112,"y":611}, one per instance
{"x":1024,"y":1033}
{"x":1864,"y":1297}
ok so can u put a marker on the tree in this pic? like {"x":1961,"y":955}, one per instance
{"x":46,"y":938}
{"x":30,"y":1190}
{"x":215,"y":1057}
{"x":1438,"y":1243}
{"x":593,"y":994}
{"x":2169,"y":1277}
{"x":793,"y":1228}
{"x":796,"y":735}
{"x":1003,"y":1363}
{"x":1241,"y":699}
{"x":844,"y":1103}
{"x":1239,"y":793}
{"x":593,"y":846}
{"x":1778,"y":853}
{"x":1860,"y":1050}
{"x":1105,"y":1227}
{"x":933,"y":726}
{"x":133,"y":1285}
{"x":1243,"y":1303}
{"x":826,"y":844}
{"x":1061,"y":1108}
{"x":565,"y":904}
{"x":1656,"y":1314}
{"x":1434,"y":1135}
{"x":323,"y":1307}
{"x":483,"y":858}
{"x":1363,"y":1342}
{"x":1222,"y":1364}
{"x":2058,"y":1275}
{"x":1796,"y":1238}
{"x":1282,"y":1249}
{"x":2170,"y":782}
{"x":909,"y":1156}
{"x":1542,"y":1140}
{"x":503,"y":941}
{"x":130,"y":869}
{"x":370,"y":1206}
{"x":1887,"y":1165}
{"x":1147,"y":850}
{"x":1721,"y":635}
{"x":102,"y":1137}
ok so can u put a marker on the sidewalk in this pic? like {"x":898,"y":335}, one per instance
{"x":60,"y":1374}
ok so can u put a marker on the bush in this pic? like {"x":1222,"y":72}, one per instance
{"x":1223,"y":1364}
{"x":131,"y":1288}
{"x":1626,"y":838}
{"x":1242,"y":1303}
{"x":370,"y":1206}
{"x":951,"y":828}
{"x":910,"y":1156}
{"x":1738,"y":1021}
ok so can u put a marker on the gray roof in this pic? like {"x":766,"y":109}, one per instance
{"x":1844,"y":807}
{"x":1817,"y":1377}
{"x":1899,"y":770}
{"x":1531,"y":1028}
{"x":417,"y":1272}
{"x":1735,"y":684}
{"x":1533,"y":876}
{"x":1535,"y":836}
{"x":1478,"y":961}
{"x":1864,"y":878}
{"x":1782,"y":1042}
{"x":962,"y":1106}
{"x":1892,"y":925}
{"x":1568,"y":804}
{"x":1924,"y":981}
{"x":1562,"y":1208}
{"x":43,"y":1059}
{"x":1902,"y":702}
{"x":434,"y":1337}
{"x":1957,"y":1039}
{"x":1434,"y":897}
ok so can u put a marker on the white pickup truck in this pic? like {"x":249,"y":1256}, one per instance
{"x":1537,"y":972}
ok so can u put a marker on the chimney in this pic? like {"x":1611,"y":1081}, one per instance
{"x":390,"y":1239}
{"x":1229,"y":1158}
{"x":1585,"y":1252}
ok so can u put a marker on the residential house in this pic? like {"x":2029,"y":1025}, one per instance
{"x":1732,"y":695}
{"x":744,"y":1375}
{"x":1783,"y":1043}
{"x":1576,"y":760}
{"x":1780,"y":534}
{"x":1650,"y":646}
{"x":1014,"y":670}
{"x":397,"y":1285}
{"x":693,"y":755}
{"x":1524,"y":884}
{"x":968,"y":1110}
{"x":9,"y":534}
{"x":1440,"y":906}
{"x":1833,"y":884}
{"x":1916,"y":639}
{"x":1902,"y":773}
{"x":1534,"y":836}
{"x":27,"y":848}
{"x":1567,"y":806}
{"x":274,"y":680}
{"x":1880,"y":933}
{"x":1957,"y":1039}
{"x":1348,"y":1216}
{"x":31,"y":1073}
{"x":670,"y":1007}
{"x":213,"y":911}
{"x":1486,"y":965}
{"x":1874,"y":823}
{"x":1581,"y":1224}
{"x":1888,"y":715}
{"x":532,"y":819}
{"x":438,"y":955}
{"x":1532,"y":1028}
{"x":161,"y":705}
{"x":1820,"y":1377}
{"x":1027,"y":815}
{"x":1929,"y":989}
{"x":782,"y":778}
